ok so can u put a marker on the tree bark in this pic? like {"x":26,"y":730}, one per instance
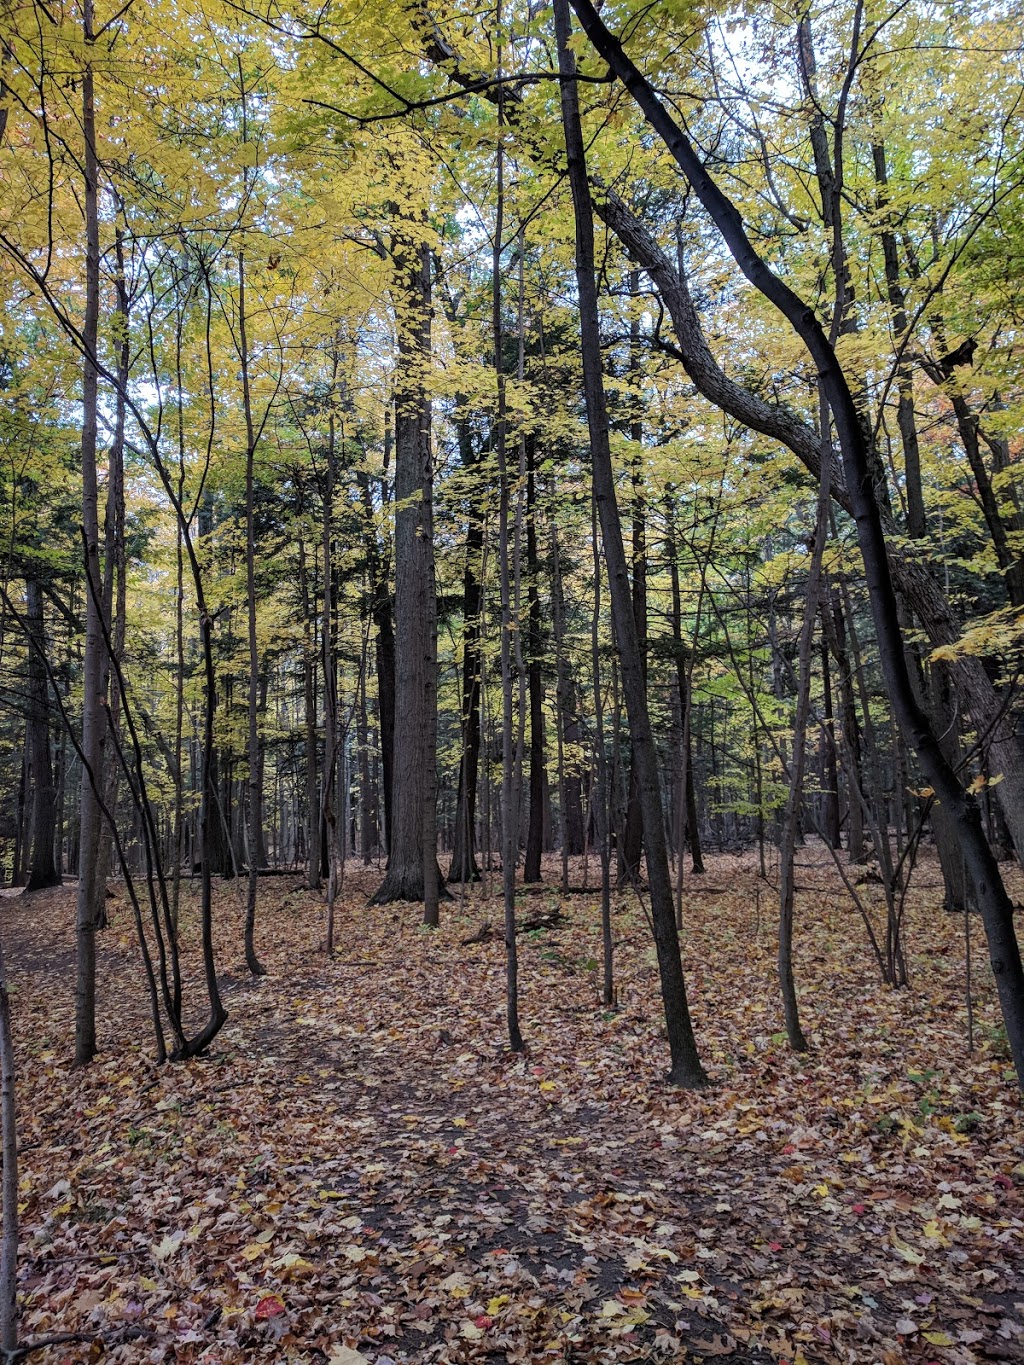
{"x":534,"y":646}
{"x":254,"y":809}
{"x":415,"y":594}
{"x":93,"y":711}
{"x":686,"y":1069}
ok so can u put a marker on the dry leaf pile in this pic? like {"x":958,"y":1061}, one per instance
{"x":360,"y":1171}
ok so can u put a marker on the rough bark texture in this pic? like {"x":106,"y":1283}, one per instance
{"x":415,"y":595}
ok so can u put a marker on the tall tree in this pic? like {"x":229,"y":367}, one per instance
{"x":686,"y":1069}
{"x":986,"y":883}
{"x":412,"y":872}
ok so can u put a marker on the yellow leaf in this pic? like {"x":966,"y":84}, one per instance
{"x":939,"y":1338}
{"x":298,"y":1265}
{"x":495,"y":1305}
{"x":547,"y":1085}
{"x":907,"y":1252}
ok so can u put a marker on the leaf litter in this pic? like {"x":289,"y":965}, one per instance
{"x":360,"y":1171}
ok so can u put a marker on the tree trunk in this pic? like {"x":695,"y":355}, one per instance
{"x":313,"y":821}
{"x":254,"y":810}
{"x":535,"y":831}
{"x":632,"y":848}
{"x":93,"y":710}
{"x":686,"y":1068}
{"x":787,"y":854}
{"x":415,"y":594}
{"x":830,"y":820}
{"x":381,"y":611}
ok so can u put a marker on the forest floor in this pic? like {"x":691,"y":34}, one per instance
{"x":360,"y":1170}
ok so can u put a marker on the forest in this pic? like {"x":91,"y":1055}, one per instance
{"x":511,"y":637}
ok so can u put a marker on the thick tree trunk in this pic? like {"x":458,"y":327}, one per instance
{"x":686,"y":1068}
{"x":415,"y":595}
